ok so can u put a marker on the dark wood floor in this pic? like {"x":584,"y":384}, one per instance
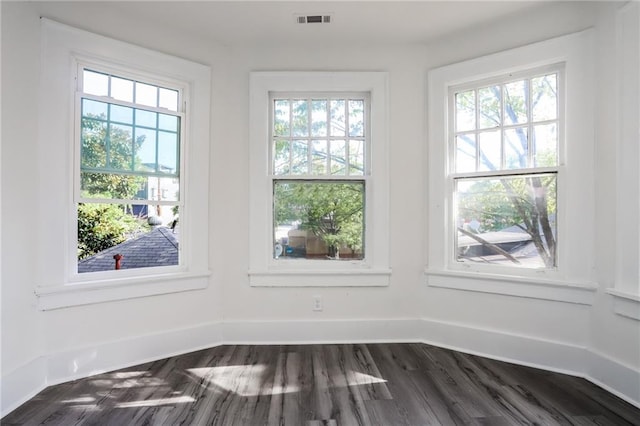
{"x":313,"y":385}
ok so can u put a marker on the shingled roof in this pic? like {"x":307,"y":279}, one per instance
{"x":159,"y":247}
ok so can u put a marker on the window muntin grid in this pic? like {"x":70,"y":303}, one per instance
{"x":318,"y":146}
{"x":505,"y":155}
{"x":320,"y":136}
{"x":129,"y":144}
{"x":509,"y":125}
{"x":144,"y":117}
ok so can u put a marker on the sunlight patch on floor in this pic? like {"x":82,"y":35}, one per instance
{"x":355,"y":378}
{"x":156,"y":402}
{"x":243,"y":380}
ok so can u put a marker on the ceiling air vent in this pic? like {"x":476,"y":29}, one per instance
{"x":313,"y":19}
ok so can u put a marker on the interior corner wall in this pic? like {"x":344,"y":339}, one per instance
{"x":613,"y":336}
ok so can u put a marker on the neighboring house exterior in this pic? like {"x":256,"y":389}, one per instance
{"x":159,"y":247}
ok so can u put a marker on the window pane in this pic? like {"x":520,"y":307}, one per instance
{"x":300,"y":118}
{"x":106,"y":231}
{"x":319,"y":157}
{"x":281,"y":157}
{"x":94,"y":137}
{"x":94,"y":109}
{"x":465,"y":111}
{"x":507,"y":221}
{"x":319,"y":118}
{"x":465,"y":153}
{"x":300,"y":158}
{"x":146,"y":94}
{"x":162,"y":189}
{"x":515,"y":102}
{"x":356,"y":158}
{"x":545,"y":145}
{"x":168,"y":99}
{"x":318,"y":220}
{"x":145,"y":159}
{"x":490,"y":150}
{"x":167,"y":152}
{"x":489,"y":105}
{"x":281,"y":118}
{"x":168,"y":122}
{"x":120,"y":147}
{"x":110,"y":185}
{"x":128,"y":187}
{"x":95,"y":83}
{"x":356,"y":118}
{"x":338,"y":157}
{"x":122,"y":89}
{"x":516,"y":148}
{"x":338,"y":118}
{"x":121,"y":114}
{"x":544,"y":97}
{"x":146,"y":118}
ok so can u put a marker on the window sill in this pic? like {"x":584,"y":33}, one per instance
{"x":545,"y":289}
{"x":625,"y":304}
{"x":337,"y":278}
{"x":90,"y":292}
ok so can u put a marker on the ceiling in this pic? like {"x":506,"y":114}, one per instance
{"x":356,"y":22}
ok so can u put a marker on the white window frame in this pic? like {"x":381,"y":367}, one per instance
{"x":59,"y":285}
{"x":569,"y":281}
{"x":453,"y":175}
{"x":264,"y":270}
{"x":81,"y":64}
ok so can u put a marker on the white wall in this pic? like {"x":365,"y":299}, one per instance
{"x":616,"y":336}
{"x":21,"y":331}
{"x":91,"y":335}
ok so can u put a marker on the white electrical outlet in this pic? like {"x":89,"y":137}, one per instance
{"x":317,"y":303}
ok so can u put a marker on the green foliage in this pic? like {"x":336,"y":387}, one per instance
{"x":333,"y":211}
{"x":101,"y":226}
{"x":112,"y":151}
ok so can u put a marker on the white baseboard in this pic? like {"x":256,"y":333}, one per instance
{"x":515,"y":348}
{"x":319,"y":332}
{"x":601,"y":370}
{"x":617,"y":378}
{"x":83,"y":362}
{"x":23,"y":383}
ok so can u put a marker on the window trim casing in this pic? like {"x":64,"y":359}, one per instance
{"x":574,"y":51}
{"x":56,"y":288}
{"x":263,"y":271}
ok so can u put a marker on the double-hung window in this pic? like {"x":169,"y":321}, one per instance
{"x":127,"y":129}
{"x":318,"y":179}
{"x":319,"y":172}
{"x":510,"y":165}
{"x":505,"y":136}
{"x":128,"y":184}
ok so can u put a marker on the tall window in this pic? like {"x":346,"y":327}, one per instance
{"x":318,"y":169}
{"x":128,"y":182}
{"x":319,"y":179}
{"x":505,"y":136}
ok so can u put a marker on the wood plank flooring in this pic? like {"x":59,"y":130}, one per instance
{"x":328,"y":385}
